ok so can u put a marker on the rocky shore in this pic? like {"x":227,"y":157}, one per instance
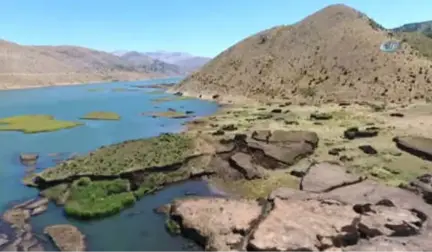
{"x":297,"y":178}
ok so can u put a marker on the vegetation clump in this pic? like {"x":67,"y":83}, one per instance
{"x":167,"y":114}
{"x":58,"y":193}
{"x":172,"y":227}
{"x":128,"y":156}
{"x":101,"y":115}
{"x":95,"y":199}
{"x":35,"y":124}
{"x":171,"y":98}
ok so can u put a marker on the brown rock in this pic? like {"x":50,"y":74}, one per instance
{"x":244,"y":164}
{"x":164,"y":209}
{"x":311,"y":225}
{"x":215,"y":223}
{"x":273,"y":154}
{"x":38,"y":210}
{"x":16,"y":216}
{"x":415,"y":145}
{"x":38,"y":203}
{"x":28,"y":158}
{"x":66,"y":237}
{"x":325,"y":176}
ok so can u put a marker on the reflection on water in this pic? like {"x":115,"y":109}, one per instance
{"x":70,"y":103}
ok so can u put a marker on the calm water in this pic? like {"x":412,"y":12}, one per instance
{"x":143,"y":231}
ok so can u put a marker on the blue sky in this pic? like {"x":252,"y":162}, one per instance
{"x":200,"y":27}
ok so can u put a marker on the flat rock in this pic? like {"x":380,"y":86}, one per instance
{"x":243,"y":162}
{"x":325,"y":224}
{"x":16,"y":216}
{"x":325,"y":176}
{"x":215,"y":223}
{"x":288,"y":154}
{"x":423,"y":186}
{"x":66,"y":237}
{"x":301,"y":168}
{"x":382,"y":243}
{"x":38,"y":210}
{"x":37,"y":203}
{"x":286,"y":137}
{"x":415,"y":145}
{"x":369,"y":191}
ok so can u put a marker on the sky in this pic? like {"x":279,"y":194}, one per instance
{"x":200,"y":27}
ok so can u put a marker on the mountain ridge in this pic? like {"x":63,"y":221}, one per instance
{"x":33,"y":66}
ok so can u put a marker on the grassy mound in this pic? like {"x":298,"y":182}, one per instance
{"x":101,"y":115}
{"x":167,"y":114}
{"x":34,"y":124}
{"x":95,"y":199}
{"x":171,"y":98}
{"x":127,"y":156}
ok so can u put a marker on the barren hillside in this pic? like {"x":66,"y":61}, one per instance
{"x":27,"y":66}
{"x":332,"y":54}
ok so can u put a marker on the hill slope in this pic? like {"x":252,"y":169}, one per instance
{"x":330,"y":55}
{"x":27,"y":66}
{"x":422,"y":27}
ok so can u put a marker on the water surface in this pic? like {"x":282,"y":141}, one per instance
{"x":70,"y":103}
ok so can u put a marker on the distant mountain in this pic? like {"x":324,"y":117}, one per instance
{"x":185,"y":62}
{"x":422,"y":27}
{"x":50,"y":65}
{"x":141,"y":60}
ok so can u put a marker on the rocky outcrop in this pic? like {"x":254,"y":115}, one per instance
{"x":215,"y":223}
{"x":415,"y":145}
{"x":66,"y":237}
{"x":21,"y":238}
{"x":323,"y":177}
{"x":28,"y":158}
{"x":332,"y":210}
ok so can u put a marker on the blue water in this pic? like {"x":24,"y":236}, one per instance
{"x":70,"y":103}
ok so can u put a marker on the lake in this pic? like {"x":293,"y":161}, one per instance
{"x":137,"y":228}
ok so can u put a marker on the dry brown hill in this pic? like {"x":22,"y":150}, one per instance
{"x":332,"y":54}
{"x":27,"y":66}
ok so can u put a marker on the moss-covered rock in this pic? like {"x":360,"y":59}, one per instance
{"x":129,"y":156}
{"x":172,"y":227}
{"x":94,"y":199}
{"x":35,"y":124}
{"x":58,"y":193}
{"x":101,"y":115}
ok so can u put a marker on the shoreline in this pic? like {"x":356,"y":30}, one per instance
{"x":63,"y":84}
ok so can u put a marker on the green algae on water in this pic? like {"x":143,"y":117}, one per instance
{"x":171,"y":98}
{"x":128,"y":156}
{"x":101,"y":115}
{"x":35,"y":124}
{"x":95,"y":199}
{"x":167,"y":114}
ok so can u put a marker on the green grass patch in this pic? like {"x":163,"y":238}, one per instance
{"x":257,"y":188}
{"x":171,"y":98}
{"x":95,"y":199}
{"x":131,"y":155}
{"x":172,"y":227}
{"x":35,"y":124}
{"x":101,"y":115}
{"x":166,"y":114}
{"x":58,"y":193}
{"x":95,"y":89}
{"x":124,"y":90}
